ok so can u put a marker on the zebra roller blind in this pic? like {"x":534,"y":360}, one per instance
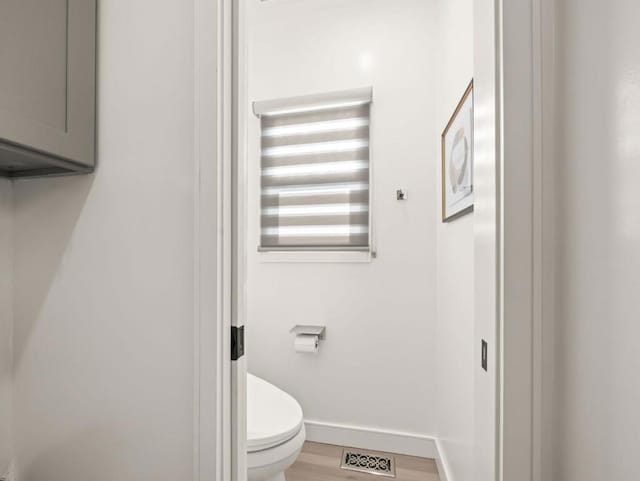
{"x":315,"y":173}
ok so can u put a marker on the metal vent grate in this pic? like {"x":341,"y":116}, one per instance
{"x":364,"y":462}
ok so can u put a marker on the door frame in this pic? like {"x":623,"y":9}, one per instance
{"x":213,"y":241}
{"x":523,"y":32}
{"x":526,"y":203}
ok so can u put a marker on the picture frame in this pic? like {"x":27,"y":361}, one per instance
{"x":457,"y":160}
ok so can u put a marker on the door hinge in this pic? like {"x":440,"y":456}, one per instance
{"x":237,"y":342}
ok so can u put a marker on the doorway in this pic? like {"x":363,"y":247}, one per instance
{"x":246,"y":243}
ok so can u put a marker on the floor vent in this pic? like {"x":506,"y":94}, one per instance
{"x":364,"y":462}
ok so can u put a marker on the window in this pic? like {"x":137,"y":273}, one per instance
{"x":315,"y":172}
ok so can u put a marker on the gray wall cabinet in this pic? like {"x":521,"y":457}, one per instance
{"x":47,"y":87}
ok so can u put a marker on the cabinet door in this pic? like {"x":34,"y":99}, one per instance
{"x":47,"y":77}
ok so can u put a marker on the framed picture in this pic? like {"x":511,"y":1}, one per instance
{"x":457,"y":160}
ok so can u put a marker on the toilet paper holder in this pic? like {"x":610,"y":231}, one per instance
{"x":319,"y":331}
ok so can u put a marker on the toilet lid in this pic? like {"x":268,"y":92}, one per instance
{"x":273,"y":416}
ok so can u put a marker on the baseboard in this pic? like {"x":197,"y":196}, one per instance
{"x":398,"y":442}
{"x":443,"y":465}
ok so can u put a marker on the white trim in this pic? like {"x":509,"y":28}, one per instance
{"x":313,"y":102}
{"x":399,"y":442}
{"x":539,"y":22}
{"x":225,"y":94}
{"x":545,"y":200}
{"x":236,"y":187}
{"x":197,"y":242}
{"x":211,"y":461}
{"x":444,"y":471}
{"x":521,"y":135}
{"x":316,"y":257}
{"x":487,"y":155}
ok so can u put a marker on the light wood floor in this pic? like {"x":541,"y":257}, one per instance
{"x":321,"y":462}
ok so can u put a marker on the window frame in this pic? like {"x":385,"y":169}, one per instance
{"x":321,"y":254}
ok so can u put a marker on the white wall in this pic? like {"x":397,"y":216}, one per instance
{"x":377,"y":367}
{"x":103,"y":342}
{"x":455,"y":348}
{"x":597,"y":393}
{"x":6,"y":276}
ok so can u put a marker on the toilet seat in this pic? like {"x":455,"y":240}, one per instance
{"x":284,"y":454}
{"x":273,"y":416}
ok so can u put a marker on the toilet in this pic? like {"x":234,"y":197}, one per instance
{"x":275,"y":430}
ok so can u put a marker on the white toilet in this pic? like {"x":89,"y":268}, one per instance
{"x":275,"y":430}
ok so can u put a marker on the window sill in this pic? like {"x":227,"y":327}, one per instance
{"x":336,"y":257}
